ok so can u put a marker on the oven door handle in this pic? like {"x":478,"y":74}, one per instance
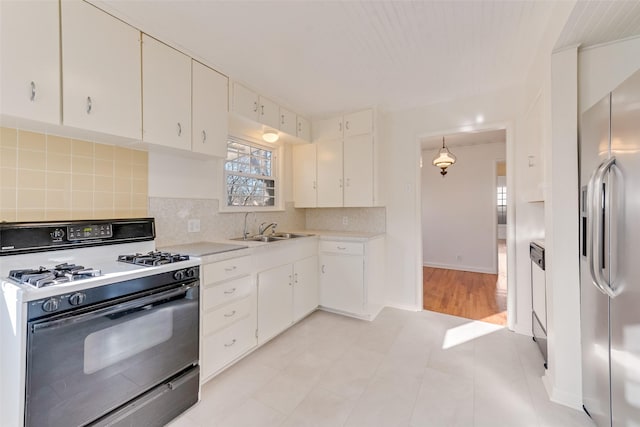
{"x":137,"y":303}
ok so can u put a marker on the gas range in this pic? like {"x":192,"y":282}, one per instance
{"x":44,"y":259}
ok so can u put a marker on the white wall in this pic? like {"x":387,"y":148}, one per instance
{"x":459,"y":210}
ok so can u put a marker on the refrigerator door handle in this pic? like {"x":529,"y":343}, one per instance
{"x":597,"y":205}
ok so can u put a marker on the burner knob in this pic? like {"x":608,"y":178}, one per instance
{"x":77,"y":298}
{"x":178,"y":275}
{"x":50,"y":305}
{"x":191,"y":272}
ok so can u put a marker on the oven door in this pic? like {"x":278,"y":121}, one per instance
{"x":83,"y":365}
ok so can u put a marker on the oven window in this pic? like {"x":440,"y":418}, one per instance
{"x":126,"y":339}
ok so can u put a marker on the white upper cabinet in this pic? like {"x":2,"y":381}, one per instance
{"x":30,"y":60}
{"x":330,"y":177}
{"x":305,"y":176}
{"x":166,"y":77}
{"x":101,"y":78}
{"x":209,"y":111}
{"x":245,"y":102}
{"x":328,"y":129}
{"x":263,"y":111}
{"x":345,"y":161}
{"x":288,"y":121}
{"x":358,"y":123}
{"x":304,"y":129}
{"x":269,"y":112}
{"x":358,"y":171}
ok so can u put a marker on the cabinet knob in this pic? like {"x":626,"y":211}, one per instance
{"x":33,"y":92}
{"x":229,"y":292}
{"x":230,"y":314}
{"x":322,"y":269}
{"x":179,"y":129}
{"x":89,"y":105}
{"x":299,"y":126}
{"x":262,"y":110}
{"x":346,"y":125}
{"x":282,"y":119}
{"x":255,"y":106}
{"x":233,"y":341}
{"x":204,"y":136}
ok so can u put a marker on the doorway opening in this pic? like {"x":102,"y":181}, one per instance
{"x":464,"y":223}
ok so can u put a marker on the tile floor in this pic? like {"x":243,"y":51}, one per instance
{"x":404,"y":369}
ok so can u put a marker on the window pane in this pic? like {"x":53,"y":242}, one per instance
{"x":247,"y":168}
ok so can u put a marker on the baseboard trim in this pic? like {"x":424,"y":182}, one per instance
{"x":460,"y":268}
{"x":404,"y":306}
{"x":559,"y":396}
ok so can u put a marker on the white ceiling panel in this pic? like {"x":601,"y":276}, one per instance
{"x":464,"y":139}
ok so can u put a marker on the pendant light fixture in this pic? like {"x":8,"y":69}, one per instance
{"x":444,"y":159}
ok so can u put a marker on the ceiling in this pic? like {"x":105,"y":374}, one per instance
{"x":319,"y":57}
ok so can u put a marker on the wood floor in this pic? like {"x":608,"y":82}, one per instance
{"x":476,"y":296}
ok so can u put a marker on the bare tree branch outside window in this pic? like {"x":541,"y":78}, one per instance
{"x":249,"y":174}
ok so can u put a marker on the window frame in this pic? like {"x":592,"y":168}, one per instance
{"x":276,"y":174}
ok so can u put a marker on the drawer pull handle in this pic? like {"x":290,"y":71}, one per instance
{"x":230,"y":314}
{"x":229,"y":292}
{"x":341,"y":248}
{"x":33,"y":92}
{"x":228,"y":269}
{"x":233,"y":341}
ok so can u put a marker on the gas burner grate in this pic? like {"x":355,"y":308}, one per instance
{"x":61,"y":273}
{"x":153,"y":258}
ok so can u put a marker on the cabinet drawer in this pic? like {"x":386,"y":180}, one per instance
{"x":347,"y":248}
{"x":223,"y":347}
{"x":215,"y":295}
{"x":226,"y":315}
{"x":223,"y":270}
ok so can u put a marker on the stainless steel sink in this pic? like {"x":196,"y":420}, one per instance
{"x":276,"y":237}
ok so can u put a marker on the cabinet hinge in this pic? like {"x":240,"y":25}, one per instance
{"x":256,"y":333}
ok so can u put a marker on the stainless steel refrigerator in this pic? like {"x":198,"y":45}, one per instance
{"x":610,"y":256}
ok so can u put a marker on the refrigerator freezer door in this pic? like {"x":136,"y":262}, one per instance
{"x":625,"y":245}
{"x":594,"y":305}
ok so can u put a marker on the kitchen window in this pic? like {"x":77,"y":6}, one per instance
{"x":250,"y":175}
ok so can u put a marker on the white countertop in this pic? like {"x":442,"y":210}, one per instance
{"x":215,"y":250}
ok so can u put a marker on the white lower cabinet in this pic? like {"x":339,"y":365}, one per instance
{"x":351,"y":277}
{"x":286,"y":294}
{"x":275,"y":302}
{"x":228,"y":313}
{"x":306,"y":295}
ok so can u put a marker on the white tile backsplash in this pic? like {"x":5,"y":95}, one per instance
{"x":367,"y":220}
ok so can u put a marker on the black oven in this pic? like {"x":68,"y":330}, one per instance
{"x":127,"y":356}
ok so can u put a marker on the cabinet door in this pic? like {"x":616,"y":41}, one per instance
{"x":166,"y":80}
{"x":30,"y":60}
{"x":327,"y":129}
{"x":245,"y":102}
{"x":275,"y":302}
{"x":100,"y":72}
{"x":342,"y":282}
{"x":304,"y":129}
{"x":269,"y":113}
{"x":287,"y":121}
{"x":304,"y":176}
{"x":358,"y":171}
{"x":305,"y":287}
{"x":358,"y":123}
{"x":329,"y":173}
{"x":210,"y":100}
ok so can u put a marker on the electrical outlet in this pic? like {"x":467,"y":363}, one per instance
{"x":193,"y":225}
{"x":345,"y":220}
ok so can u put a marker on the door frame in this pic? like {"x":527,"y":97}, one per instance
{"x":508,"y":126}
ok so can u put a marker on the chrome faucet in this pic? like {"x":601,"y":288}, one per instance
{"x":263,"y":229}
{"x":245,"y":232}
